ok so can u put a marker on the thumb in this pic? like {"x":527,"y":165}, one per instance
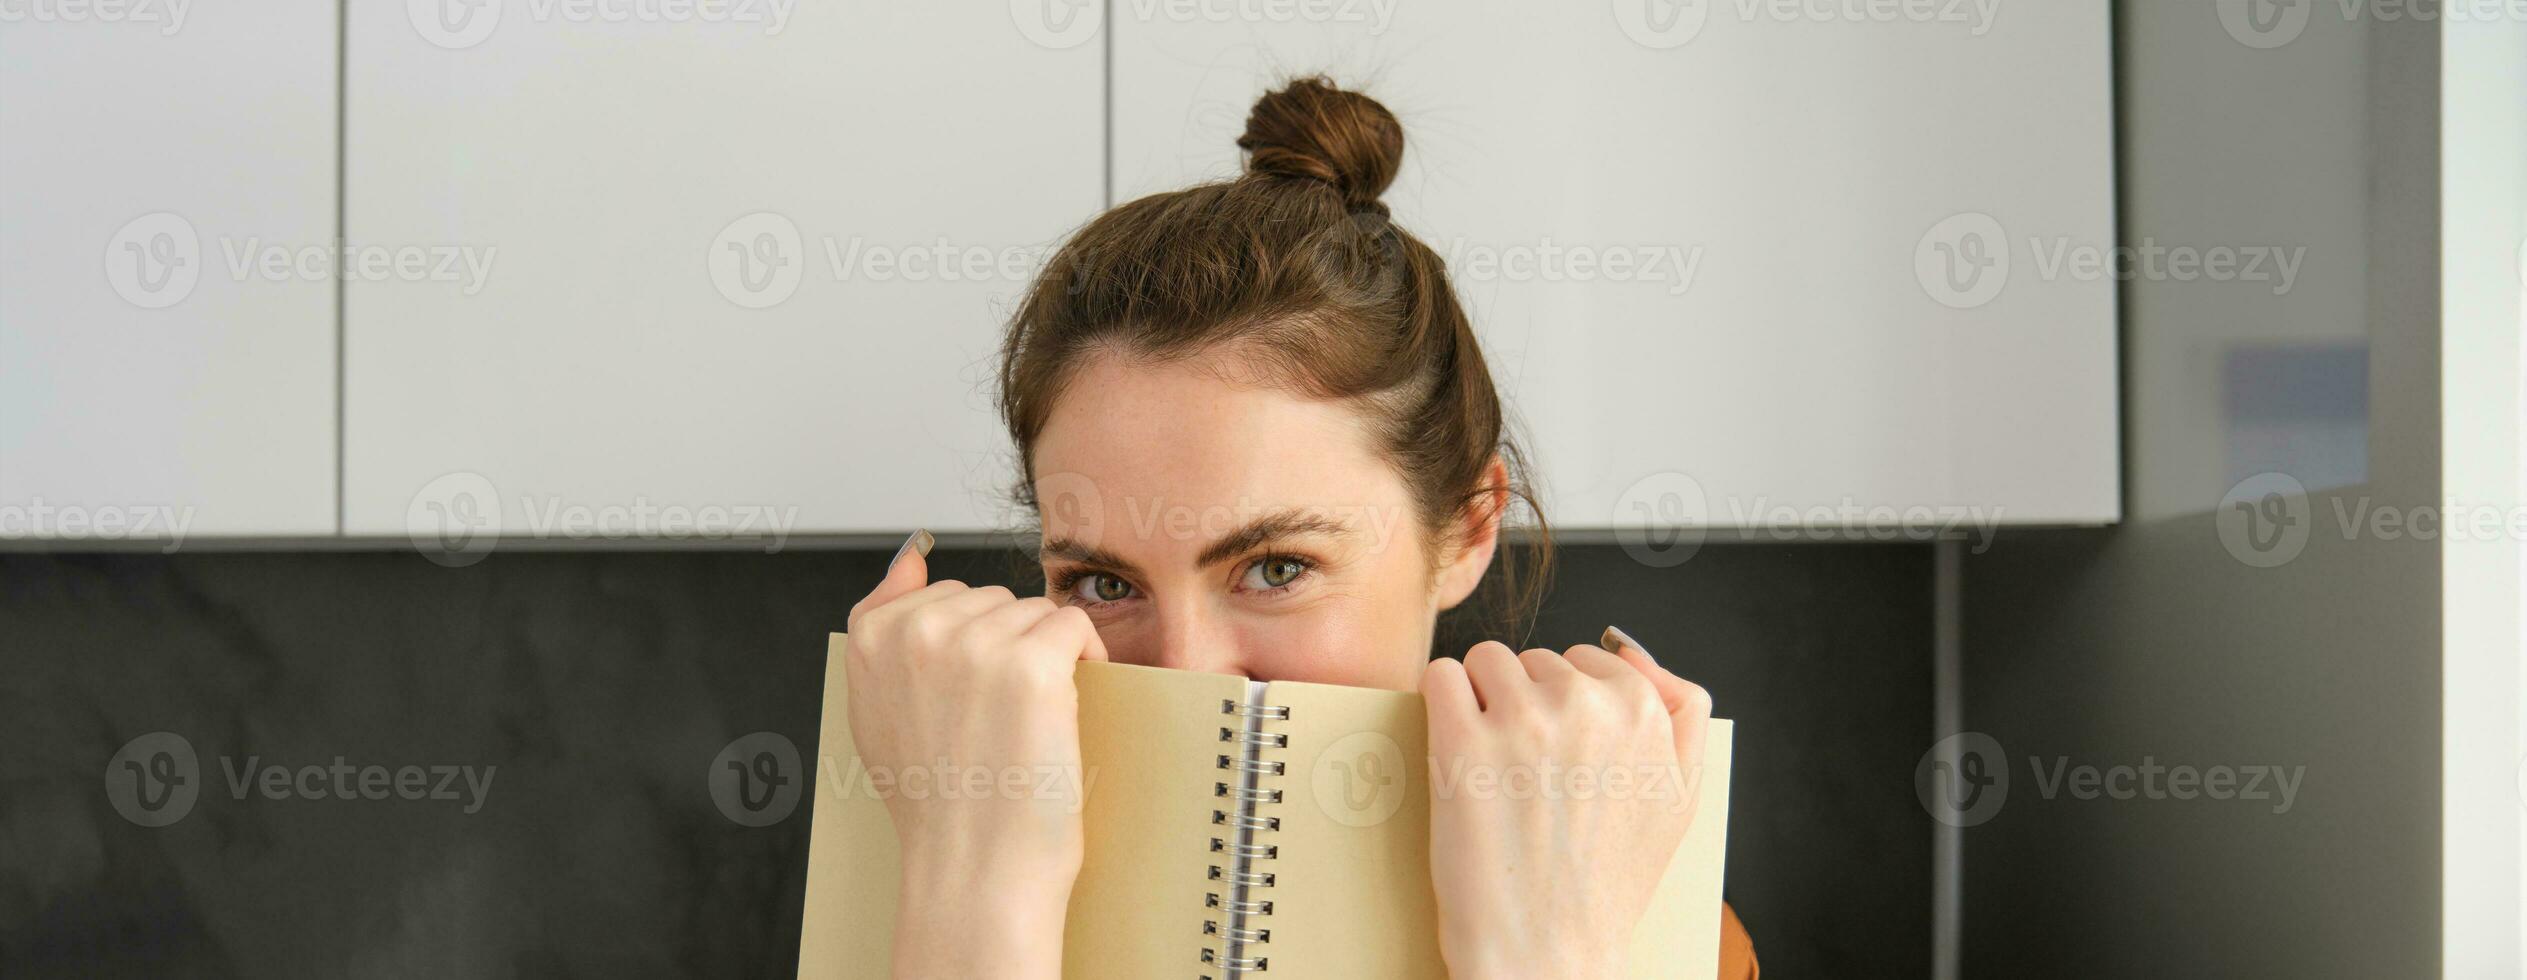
{"x":907,"y":572}
{"x":1688,"y":705}
{"x":1676,"y":693}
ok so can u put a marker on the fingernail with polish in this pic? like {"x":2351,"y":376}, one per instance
{"x":919,"y":541}
{"x":1615,"y":636}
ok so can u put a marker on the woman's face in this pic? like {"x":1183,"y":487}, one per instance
{"x":1210,"y":524}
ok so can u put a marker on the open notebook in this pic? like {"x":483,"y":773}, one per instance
{"x":1234,"y":828}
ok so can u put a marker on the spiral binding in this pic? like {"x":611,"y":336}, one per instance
{"x":1230,"y":936}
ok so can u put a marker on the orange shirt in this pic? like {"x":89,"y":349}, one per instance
{"x":1737,"y":949}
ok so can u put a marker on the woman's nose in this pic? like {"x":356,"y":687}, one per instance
{"x":1192,"y":641}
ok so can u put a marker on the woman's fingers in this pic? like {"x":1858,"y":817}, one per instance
{"x":1600,"y":663}
{"x":1008,"y":622}
{"x":1688,"y":705}
{"x":1070,"y":628}
{"x":1682,"y":697}
{"x":907,"y":572}
{"x":1500,"y":681}
{"x":1449,"y":693}
{"x":1690,"y":732}
{"x":956,"y":611}
{"x":1546,"y":666}
{"x":904,"y":605}
{"x":1675,"y":692}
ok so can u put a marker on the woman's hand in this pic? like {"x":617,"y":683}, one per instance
{"x":952,"y":689}
{"x":1562,"y":785}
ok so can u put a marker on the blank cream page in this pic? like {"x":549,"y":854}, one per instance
{"x":1152,"y":741}
{"x":1149,"y":745}
{"x":1351,"y":885}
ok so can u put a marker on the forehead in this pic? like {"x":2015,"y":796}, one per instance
{"x":1146,"y":434}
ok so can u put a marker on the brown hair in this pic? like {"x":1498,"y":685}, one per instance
{"x":1294,"y":265}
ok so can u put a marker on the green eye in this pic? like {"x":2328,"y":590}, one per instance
{"x":1275,"y":572}
{"x":1096,"y":587}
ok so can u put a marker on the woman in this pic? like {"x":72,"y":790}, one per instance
{"x":1272,"y":449}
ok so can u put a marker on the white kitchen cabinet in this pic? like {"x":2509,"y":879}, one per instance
{"x":752,"y":268}
{"x":166,"y":313}
{"x":1724,"y":256}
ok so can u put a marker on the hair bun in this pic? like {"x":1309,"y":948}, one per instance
{"x":1312,"y":129}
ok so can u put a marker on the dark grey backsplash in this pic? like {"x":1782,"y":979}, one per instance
{"x":593,"y":691}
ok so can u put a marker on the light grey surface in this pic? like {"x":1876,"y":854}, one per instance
{"x":583,"y":355}
{"x":152,"y":158}
{"x":2483,"y":683}
{"x":2158,"y":643}
{"x":1812,"y":164}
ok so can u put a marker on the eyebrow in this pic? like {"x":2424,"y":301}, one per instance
{"x":1270,"y":527}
